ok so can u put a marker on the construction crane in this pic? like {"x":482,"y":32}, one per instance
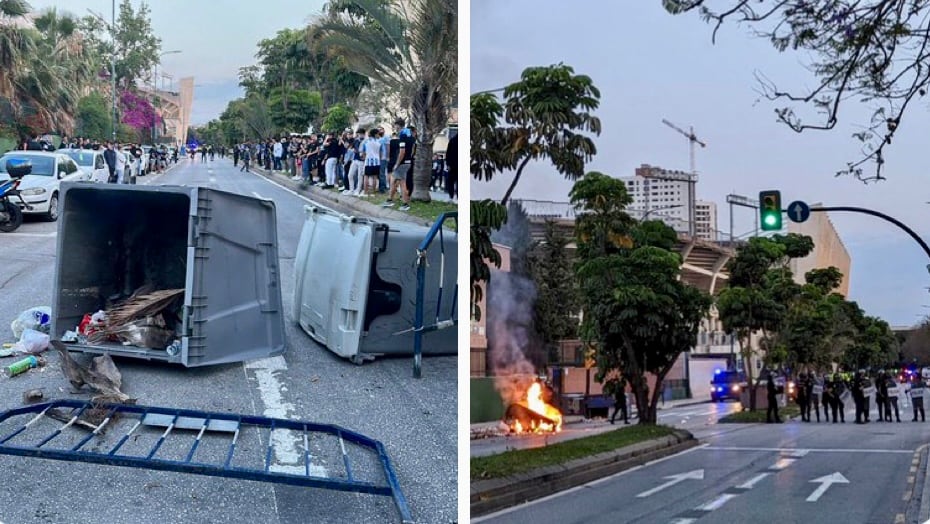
{"x":692,"y":139}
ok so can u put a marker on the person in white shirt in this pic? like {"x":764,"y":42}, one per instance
{"x":120,"y":167}
{"x":371,"y":149}
{"x":278,"y":151}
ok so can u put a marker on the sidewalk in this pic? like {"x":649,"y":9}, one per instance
{"x":347,"y":202}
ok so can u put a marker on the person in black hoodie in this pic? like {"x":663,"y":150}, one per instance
{"x":109,"y":156}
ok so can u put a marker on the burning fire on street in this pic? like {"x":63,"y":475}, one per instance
{"x":533,"y":415}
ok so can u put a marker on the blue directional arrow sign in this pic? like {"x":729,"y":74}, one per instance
{"x":798,"y":211}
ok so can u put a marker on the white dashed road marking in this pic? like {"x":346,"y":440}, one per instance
{"x":288,"y":446}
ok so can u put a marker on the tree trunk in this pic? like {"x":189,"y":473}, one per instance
{"x":747,"y":365}
{"x":422,"y":167}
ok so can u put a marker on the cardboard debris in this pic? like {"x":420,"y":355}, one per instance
{"x":102,"y":376}
{"x":142,"y":305}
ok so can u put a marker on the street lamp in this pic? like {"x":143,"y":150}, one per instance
{"x":155,"y":87}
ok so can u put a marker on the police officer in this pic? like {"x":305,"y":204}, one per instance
{"x":814,"y":398}
{"x":804,"y":397}
{"x":866,"y":404}
{"x":891,"y":398}
{"x":857,"y":396}
{"x":918,"y":400}
{"x":771,"y":397}
{"x":881,"y":395}
{"x":837,"y":388}
{"x":826,"y":398}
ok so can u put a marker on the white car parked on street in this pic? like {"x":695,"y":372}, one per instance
{"x":40,"y":188}
{"x":91,"y":162}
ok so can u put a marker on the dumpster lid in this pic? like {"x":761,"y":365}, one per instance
{"x":233,"y":310}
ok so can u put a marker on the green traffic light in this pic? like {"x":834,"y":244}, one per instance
{"x":771,"y":220}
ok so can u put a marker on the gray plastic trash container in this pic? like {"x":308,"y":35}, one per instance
{"x":356,"y":283}
{"x":220,"y":247}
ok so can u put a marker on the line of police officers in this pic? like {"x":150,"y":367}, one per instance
{"x":815,"y":391}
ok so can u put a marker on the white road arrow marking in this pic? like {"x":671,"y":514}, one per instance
{"x":697,"y":474}
{"x":825,"y":483}
{"x":753,"y":481}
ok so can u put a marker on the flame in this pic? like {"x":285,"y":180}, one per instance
{"x":534,"y":402}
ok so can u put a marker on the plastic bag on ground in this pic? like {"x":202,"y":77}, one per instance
{"x":33,"y":342}
{"x":37,"y":318}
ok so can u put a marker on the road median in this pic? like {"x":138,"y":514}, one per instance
{"x":494,"y":494}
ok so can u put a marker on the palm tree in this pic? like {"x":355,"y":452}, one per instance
{"x":411,"y":46}
{"x":15,"y":45}
{"x":49,"y":88}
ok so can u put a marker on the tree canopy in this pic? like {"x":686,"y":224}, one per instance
{"x":638,"y":315}
{"x":870,"y":51}
{"x":546,"y":115}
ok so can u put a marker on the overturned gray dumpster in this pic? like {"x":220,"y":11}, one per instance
{"x":356,"y":286}
{"x":179,"y":274}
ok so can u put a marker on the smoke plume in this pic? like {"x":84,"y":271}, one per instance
{"x":511,"y":335}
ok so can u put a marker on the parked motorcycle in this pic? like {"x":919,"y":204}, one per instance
{"x":11,"y":216}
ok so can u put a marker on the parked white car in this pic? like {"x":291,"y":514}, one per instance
{"x":91,"y":162}
{"x":40,"y":188}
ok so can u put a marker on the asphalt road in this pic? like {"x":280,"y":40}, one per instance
{"x":415,"y":419}
{"x":758,"y":473}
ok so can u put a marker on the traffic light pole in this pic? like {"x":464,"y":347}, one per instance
{"x":883,"y":216}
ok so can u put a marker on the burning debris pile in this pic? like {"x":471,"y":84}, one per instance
{"x":533,"y":415}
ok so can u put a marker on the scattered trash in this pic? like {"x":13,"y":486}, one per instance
{"x":146,"y":319}
{"x":102,"y":376}
{"x":21,"y":366}
{"x":32,"y":342}
{"x":33,"y":318}
{"x":174,"y":349}
{"x":31,"y":396}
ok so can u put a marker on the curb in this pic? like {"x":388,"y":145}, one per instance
{"x":354,"y":204}
{"x":492,"y":495}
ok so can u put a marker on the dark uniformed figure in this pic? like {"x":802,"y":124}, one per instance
{"x":891,"y":399}
{"x":881,"y":395}
{"x":620,"y":405}
{"x":866,"y":404}
{"x":813,"y":398}
{"x":918,"y":401}
{"x":826,"y":398}
{"x":859,"y":398}
{"x":837,"y":388}
{"x":804,"y":399}
{"x":772,"y":401}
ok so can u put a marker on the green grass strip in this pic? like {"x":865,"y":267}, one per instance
{"x":519,"y":461}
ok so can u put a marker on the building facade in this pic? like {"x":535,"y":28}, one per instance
{"x":671,"y":196}
{"x":705,"y":220}
{"x":828,"y":249}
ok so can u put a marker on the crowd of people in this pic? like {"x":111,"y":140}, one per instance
{"x":833,"y":392}
{"x":360,"y":164}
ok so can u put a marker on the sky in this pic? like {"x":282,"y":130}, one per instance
{"x":215,"y":39}
{"x":650,"y":65}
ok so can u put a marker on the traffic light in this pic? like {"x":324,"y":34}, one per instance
{"x":770,"y":210}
